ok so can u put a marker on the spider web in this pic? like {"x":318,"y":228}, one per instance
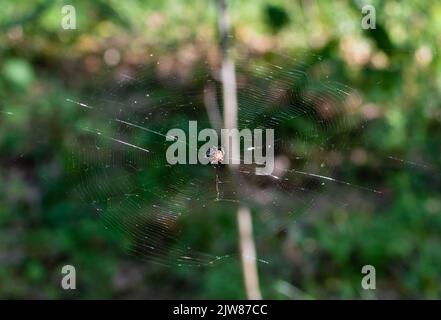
{"x":119,"y":154}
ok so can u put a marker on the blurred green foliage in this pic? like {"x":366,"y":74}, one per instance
{"x":395,"y":69}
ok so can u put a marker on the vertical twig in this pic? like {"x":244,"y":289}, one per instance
{"x":248,"y":250}
{"x":244,"y":218}
{"x":210,"y":102}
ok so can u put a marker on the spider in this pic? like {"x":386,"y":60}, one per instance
{"x":215,"y":154}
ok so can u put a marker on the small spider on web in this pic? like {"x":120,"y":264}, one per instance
{"x":216,"y":155}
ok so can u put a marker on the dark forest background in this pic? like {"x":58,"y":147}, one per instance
{"x":395,"y":71}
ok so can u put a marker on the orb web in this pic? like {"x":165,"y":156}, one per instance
{"x":121,"y":172}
